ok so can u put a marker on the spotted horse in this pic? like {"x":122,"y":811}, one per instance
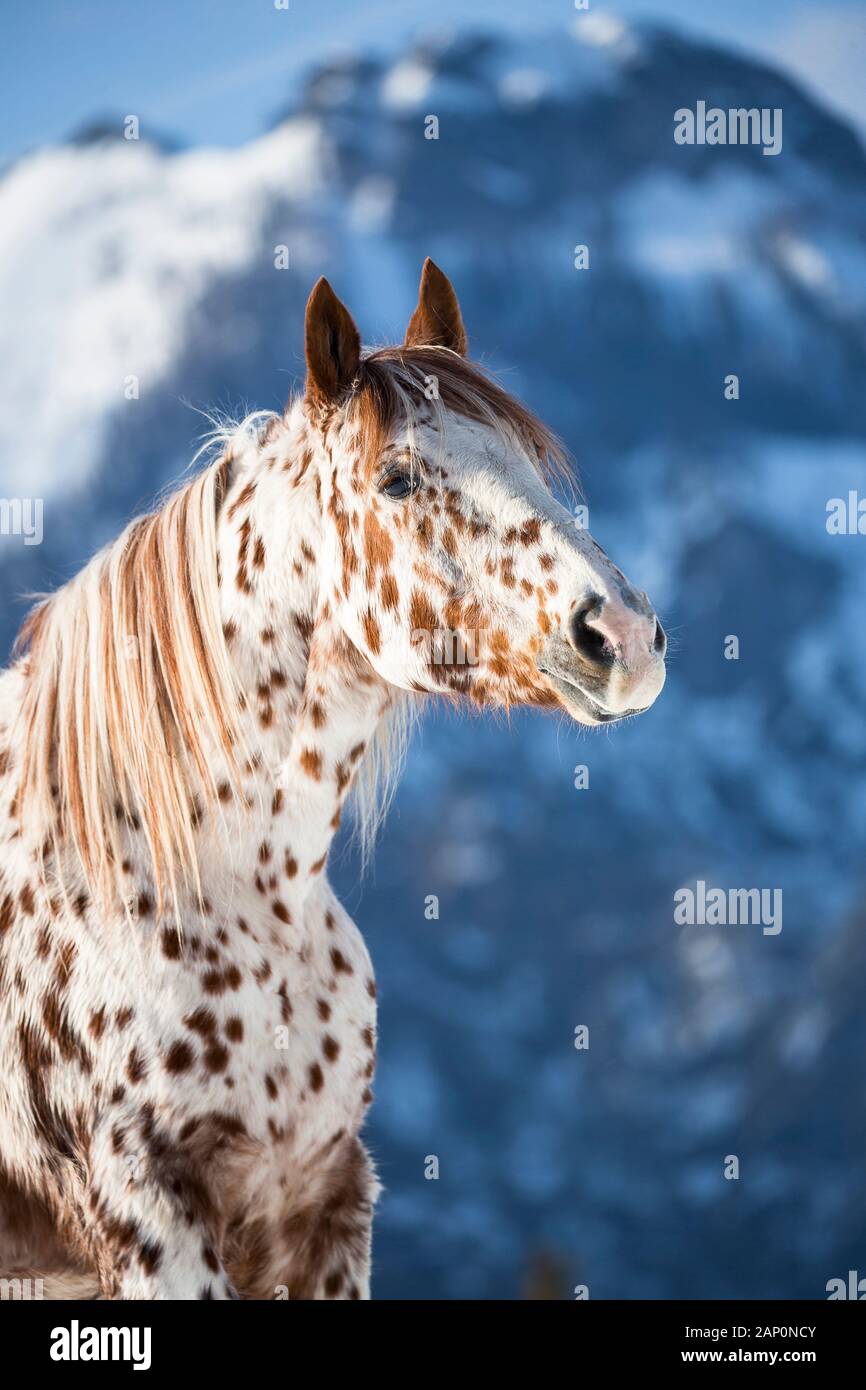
{"x":187,"y":1013}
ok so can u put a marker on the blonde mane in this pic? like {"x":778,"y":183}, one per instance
{"x":127,"y":668}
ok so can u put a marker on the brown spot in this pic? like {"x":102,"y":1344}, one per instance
{"x":136,"y":1069}
{"x":171,"y":943}
{"x":65,"y":960}
{"x":179,"y":1057}
{"x":422,"y":614}
{"x":246,"y":494}
{"x":7,"y":912}
{"x":304,"y":625}
{"x":285,"y":1002}
{"x":59,"y":1027}
{"x":216,"y":1057}
{"x":378,"y":546}
{"x":202,"y":1021}
{"x":311,"y":762}
{"x":372,"y":633}
{"x":330,"y":1047}
{"x":317,"y":1077}
{"x":218,"y":981}
{"x":339,"y":962}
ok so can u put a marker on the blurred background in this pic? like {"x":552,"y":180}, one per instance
{"x":154,"y":258}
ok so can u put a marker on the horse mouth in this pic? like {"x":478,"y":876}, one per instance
{"x":581,"y":706}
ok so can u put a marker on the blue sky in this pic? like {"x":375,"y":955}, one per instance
{"x":214,"y":71}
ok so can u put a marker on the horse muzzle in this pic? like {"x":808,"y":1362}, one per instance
{"x":609,"y":663}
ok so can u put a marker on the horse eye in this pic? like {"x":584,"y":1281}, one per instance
{"x":399,"y":485}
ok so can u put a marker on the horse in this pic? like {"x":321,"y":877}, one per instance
{"x":187,"y":1012}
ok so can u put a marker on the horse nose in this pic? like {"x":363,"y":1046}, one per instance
{"x":618,"y":631}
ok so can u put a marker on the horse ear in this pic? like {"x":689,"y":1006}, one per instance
{"x":437,"y":320}
{"x":332,"y":345}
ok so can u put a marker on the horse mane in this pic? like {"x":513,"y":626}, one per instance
{"x":126,"y":667}
{"x":128,"y":675}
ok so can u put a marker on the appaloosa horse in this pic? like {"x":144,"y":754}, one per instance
{"x":187,"y":1014}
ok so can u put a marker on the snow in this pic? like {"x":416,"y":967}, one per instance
{"x":372,"y":203}
{"x":675,"y":227}
{"x":104,"y":252}
{"x":605,"y":31}
{"x":407,"y":85}
{"x":523,"y":86}
{"x":805,"y":262}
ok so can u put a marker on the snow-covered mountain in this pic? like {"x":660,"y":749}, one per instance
{"x":122,"y":259}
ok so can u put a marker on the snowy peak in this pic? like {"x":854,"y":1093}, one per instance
{"x":601,"y":72}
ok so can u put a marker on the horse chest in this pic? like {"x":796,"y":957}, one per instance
{"x":279,"y":1019}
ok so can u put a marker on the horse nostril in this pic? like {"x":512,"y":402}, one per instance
{"x":660,"y":641}
{"x":591,"y":643}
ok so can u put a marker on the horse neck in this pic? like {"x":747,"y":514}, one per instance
{"x":311,"y":703}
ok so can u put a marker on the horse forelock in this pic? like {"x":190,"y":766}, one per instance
{"x":395,"y":383}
